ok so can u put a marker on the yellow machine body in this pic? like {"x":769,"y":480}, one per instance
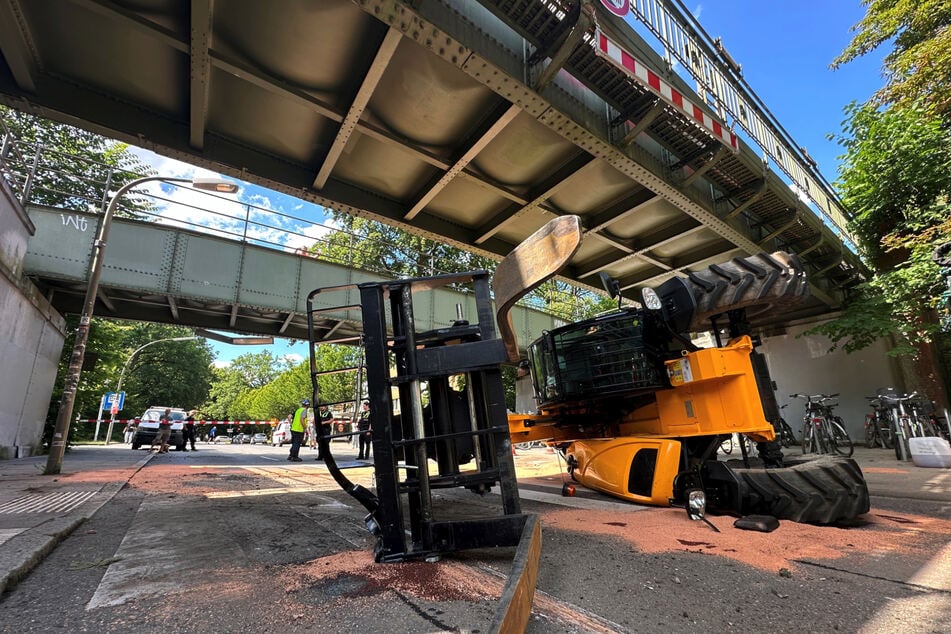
{"x":636,"y":455}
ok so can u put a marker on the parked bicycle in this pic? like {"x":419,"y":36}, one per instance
{"x":907,"y":420}
{"x":784,"y":433}
{"x":878,"y":428}
{"x":823,"y":431}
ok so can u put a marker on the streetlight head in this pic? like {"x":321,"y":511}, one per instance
{"x":215,"y":185}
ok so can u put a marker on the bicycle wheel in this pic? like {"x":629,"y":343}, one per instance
{"x":886,"y":433}
{"x":841,"y":442}
{"x":871,"y":431}
{"x":788,"y":433}
{"x":807,"y":438}
{"x":900,"y":438}
{"x":820,"y":437}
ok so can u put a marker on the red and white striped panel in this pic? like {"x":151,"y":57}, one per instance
{"x":609,"y":49}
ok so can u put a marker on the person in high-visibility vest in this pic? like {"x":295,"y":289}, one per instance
{"x":297,"y":430}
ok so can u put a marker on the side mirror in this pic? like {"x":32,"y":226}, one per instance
{"x":612,"y":286}
{"x":697,"y":507}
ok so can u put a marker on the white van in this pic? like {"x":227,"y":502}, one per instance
{"x":146,"y":427}
{"x":281,"y":434}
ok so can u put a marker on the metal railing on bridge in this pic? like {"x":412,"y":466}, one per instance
{"x":720,"y":83}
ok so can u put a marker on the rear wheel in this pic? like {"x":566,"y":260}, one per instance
{"x":820,"y":490}
{"x":771,"y":282}
{"x":786,"y":435}
{"x":887,"y":434}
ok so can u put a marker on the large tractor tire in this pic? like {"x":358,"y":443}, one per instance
{"x":772,"y":282}
{"x":821,"y":490}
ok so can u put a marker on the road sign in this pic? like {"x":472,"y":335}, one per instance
{"x":115,"y":401}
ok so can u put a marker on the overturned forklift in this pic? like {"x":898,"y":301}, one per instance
{"x":638,"y":410}
{"x":452,"y":439}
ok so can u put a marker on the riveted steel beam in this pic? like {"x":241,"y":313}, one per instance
{"x":200,"y":62}
{"x":484,"y":138}
{"x":548,"y":188}
{"x":17,"y":46}
{"x":370,"y":80}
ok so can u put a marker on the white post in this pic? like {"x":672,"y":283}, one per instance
{"x":102,"y":402}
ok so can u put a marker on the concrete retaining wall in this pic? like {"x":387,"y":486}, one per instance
{"x":31,"y":339}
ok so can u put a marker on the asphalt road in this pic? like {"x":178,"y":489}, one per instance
{"x":235,"y":538}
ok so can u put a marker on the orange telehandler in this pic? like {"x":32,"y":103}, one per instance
{"x":638,"y":411}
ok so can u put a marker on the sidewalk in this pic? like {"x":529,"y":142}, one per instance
{"x":38,"y":511}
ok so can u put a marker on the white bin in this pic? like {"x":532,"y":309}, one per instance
{"x":930,"y":452}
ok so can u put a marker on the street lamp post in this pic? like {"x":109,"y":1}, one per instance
{"x":54,"y":461}
{"x":112,"y":416}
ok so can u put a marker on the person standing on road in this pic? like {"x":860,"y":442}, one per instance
{"x":312,"y":432}
{"x":297,"y":430}
{"x":164,"y":432}
{"x":188,"y":431}
{"x":211,"y":434}
{"x":326,"y":416}
{"x":363,"y":429}
{"x":128,"y":433}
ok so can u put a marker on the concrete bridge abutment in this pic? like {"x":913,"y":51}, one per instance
{"x":32,"y":333}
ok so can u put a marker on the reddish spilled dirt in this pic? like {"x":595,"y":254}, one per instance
{"x":668,"y":530}
{"x":440,"y":581}
{"x":884,"y":470}
{"x":353,"y":574}
{"x":185,"y":480}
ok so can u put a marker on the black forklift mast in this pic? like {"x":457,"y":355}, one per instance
{"x":453,"y":428}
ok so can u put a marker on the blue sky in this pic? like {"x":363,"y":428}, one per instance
{"x":785,"y":48}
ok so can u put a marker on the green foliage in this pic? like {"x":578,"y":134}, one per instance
{"x":172,"y":373}
{"x":896,"y":175}
{"x":895,"y":179}
{"x":76,"y":169}
{"x":918,"y":69}
{"x":377,"y":247}
{"x":234,"y":395}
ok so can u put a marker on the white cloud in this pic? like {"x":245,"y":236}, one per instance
{"x":254,"y":214}
{"x":293,"y":358}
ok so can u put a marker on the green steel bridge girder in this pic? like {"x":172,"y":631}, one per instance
{"x":171,"y":275}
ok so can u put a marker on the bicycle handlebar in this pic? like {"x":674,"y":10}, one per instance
{"x":814,"y":397}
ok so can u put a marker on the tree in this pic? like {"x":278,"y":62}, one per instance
{"x":896,"y":180}
{"x":918,"y":69}
{"x":76,"y":169}
{"x":393,"y":251}
{"x":233,"y":395}
{"x":171,"y":373}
